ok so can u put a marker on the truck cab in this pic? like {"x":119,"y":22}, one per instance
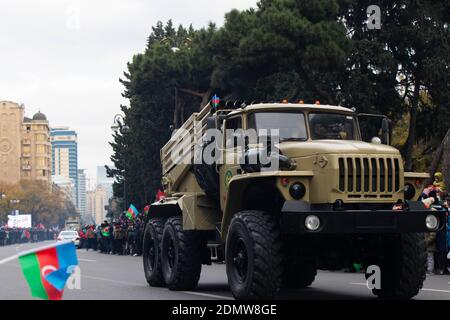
{"x":333,"y":166}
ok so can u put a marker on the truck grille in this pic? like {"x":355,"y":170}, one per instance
{"x":369,"y":177}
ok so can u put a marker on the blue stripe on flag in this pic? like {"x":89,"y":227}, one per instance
{"x":67,"y":257}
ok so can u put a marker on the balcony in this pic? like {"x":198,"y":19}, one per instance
{"x":26,"y":167}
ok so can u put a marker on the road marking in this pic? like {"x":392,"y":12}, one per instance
{"x":208,"y":295}
{"x":436,"y":290}
{"x":141,"y":285}
{"x":114,"y":281}
{"x":86,"y":260}
{"x":424,"y":289}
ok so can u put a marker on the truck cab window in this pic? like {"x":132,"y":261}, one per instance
{"x":232,"y":125}
{"x":291,"y":125}
{"x":332,"y":126}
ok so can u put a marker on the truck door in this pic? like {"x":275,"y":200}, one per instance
{"x":231,"y":155}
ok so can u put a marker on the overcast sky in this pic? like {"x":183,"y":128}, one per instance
{"x":65,"y":57}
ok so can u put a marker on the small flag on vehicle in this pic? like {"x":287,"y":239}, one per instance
{"x":215,"y":101}
{"x":47,"y":269}
{"x":146,"y":210}
{"x":132,"y":212}
{"x":160,"y":195}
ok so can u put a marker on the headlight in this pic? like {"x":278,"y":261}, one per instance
{"x":432,"y":222}
{"x":410,"y":191}
{"x":312,"y":223}
{"x":297,"y":190}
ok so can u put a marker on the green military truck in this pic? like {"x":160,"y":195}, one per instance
{"x":332,"y":199}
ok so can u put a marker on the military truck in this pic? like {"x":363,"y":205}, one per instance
{"x":332,"y":200}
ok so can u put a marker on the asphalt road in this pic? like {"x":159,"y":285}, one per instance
{"x":112,"y":277}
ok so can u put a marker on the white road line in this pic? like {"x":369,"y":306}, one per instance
{"x":141,"y":285}
{"x":114,"y":281}
{"x":424,"y":289}
{"x":208,"y":295}
{"x":436,"y":290}
{"x":86,"y":260}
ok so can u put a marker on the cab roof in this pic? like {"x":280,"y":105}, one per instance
{"x":294,"y":106}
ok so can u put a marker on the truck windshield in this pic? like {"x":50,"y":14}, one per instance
{"x":291,"y":125}
{"x":332,"y":126}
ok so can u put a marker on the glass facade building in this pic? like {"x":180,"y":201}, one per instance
{"x":65,"y":156}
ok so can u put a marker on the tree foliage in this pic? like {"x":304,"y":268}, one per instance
{"x":45,"y":206}
{"x":286,"y":49}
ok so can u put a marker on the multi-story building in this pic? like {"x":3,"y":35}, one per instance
{"x":25,"y":150}
{"x":97,"y":200}
{"x":65,"y":155}
{"x":65,"y":185}
{"x":36,"y":149}
{"x":82,"y":201}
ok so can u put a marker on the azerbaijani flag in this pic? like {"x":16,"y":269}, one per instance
{"x":132,"y":212}
{"x":215,"y":101}
{"x":160,"y":195}
{"x":47,"y":269}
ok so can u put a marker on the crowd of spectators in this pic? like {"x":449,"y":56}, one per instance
{"x":122,"y":236}
{"x":9,"y":236}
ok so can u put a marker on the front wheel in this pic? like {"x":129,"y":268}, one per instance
{"x":402,"y":266}
{"x":152,"y":255}
{"x":254,"y":260}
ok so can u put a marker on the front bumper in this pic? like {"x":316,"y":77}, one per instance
{"x":294,"y":213}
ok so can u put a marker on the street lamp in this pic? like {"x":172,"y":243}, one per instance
{"x":116,"y":127}
{"x":117,"y":124}
{"x":12,"y":202}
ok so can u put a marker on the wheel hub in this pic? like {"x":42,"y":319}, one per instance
{"x":240,"y":260}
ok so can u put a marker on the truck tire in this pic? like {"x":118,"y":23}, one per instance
{"x":254,"y":259}
{"x":402,"y":267}
{"x":152,"y":252}
{"x":181,"y":255}
{"x":299,"y":275}
{"x":207,"y":176}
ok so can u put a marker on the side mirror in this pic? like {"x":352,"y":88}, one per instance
{"x":386,"y":131}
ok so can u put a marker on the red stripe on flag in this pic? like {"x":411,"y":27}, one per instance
{"x":48,"y":262}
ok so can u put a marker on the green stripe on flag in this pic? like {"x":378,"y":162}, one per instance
{"x":32,"y":273}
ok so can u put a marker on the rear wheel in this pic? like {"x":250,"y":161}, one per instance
{"x":402,"y":266}
{"x":254,"y":260}
{"x":181,"y":255}
{"x":152,"y":256}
